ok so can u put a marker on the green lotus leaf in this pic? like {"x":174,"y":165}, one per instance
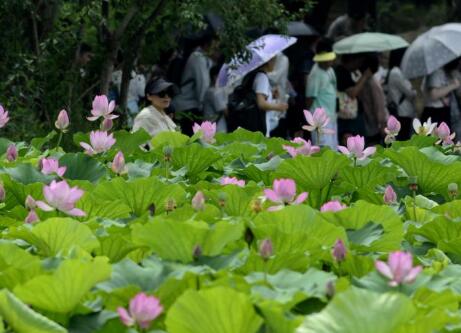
{"x":368,"y":176}
{"x":62,"y":291}
{"x":139,"y":194}
{"x":194,"y":158}
{"x":38,"y":143}
{"x":361,"y":311}
{"x":172,"y":139}
{"x":82,"y":167}
{"x":128,"y":142}
{"x":26,"y":174}
{"x":22,"y":318}
{"x":57,"y":235}
{"x":215,"y":310}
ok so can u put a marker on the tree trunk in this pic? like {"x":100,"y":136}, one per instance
{"x":113,"y":41}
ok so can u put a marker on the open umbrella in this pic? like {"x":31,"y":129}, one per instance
{"x":432,"y":50}
{"x":261,"y":51}
{"x":369,"y":42}
{"x":299,"y":28}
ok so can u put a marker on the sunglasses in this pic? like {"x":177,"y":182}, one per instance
{"x":165,"y":93}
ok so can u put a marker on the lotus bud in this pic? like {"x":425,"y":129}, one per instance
{"x":266,"y":249}
{"x":118,"y":164}
{"x":32,"y":217}
{"x":413,"y":183}
{"x":107,"y":124}
{"x":453,"y":190}
{"x":11,"y":153}
{"x":197,"y":252}
{"x":222,"y":198}
{"x":30,"y":203}
{"x":390,"y":197}
{"x":2,"y":193}
{"x":257,"y":205}
{"x":198,"y":201}
{"x":339,"y":251}
{"x":62,"y":122}
{"x":330,"y":289}
{"x":388,"y":139}
{"x":170,"y":205}
{"x":167,"y":152}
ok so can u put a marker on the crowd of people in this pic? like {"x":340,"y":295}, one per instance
{"x":357,"y":91}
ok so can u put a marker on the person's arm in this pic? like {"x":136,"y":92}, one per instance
{"x":438,"y":93}
{"x":354,"y":92}
{"x":404,"y":86}
{"x":201,"y":77}
{"x":261,"y":101}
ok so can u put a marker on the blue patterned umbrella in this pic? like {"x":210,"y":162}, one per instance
{"x":261,"y":51}
{"x":432,"y":50}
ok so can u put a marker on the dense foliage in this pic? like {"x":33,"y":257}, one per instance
{"x":288,"y":242}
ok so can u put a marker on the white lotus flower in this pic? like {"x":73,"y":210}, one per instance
{"x":424,"y":129}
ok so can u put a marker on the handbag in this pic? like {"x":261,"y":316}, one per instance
{"x":347,"y":107}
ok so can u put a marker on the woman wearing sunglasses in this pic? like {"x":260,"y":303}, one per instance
{"x":153,"y":118}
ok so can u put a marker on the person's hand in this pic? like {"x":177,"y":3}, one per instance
{"x":275,"y":93}
{"x":282,"y":107}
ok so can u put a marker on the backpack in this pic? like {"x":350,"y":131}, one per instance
{"x":243,"y":108}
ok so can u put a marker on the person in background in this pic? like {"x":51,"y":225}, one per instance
{"x":438,"y":90}
{"x":354,"y":22}
{"x":215,"y":103}
{"x":321,"y":91}
{"x":195,"y":81}
{"x":84,"y":56}
{"x":400,"y":94}
{"x":265,"y":99}
{"x":153,"y":118}
{"x":279,"y":80}
{"x":456,"y":104}
{"x":373,"y":100}
{"x":350,"y":109}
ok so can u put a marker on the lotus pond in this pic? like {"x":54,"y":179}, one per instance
{"x":238,"y":234}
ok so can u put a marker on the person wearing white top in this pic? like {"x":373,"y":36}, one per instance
{"x":264,"y":96}
{"x":153,"y":118}
{"x":279,"y":80}
{"x":135,"y":89}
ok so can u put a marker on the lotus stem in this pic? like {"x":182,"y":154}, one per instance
{"x":59,"y":139}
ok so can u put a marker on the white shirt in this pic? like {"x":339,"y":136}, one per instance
{"x":153,"y":121}
{"x":136,"y":86}
{"x":438,"y":79}
{"x":398,"y":86}
{"x":262,"y":85}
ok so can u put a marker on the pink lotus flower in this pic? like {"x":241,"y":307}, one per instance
{"x":332,"y":206}
{"x":393,"y":126}
{"x":208,"y":130}
{"x":3,"y":117}
{"x":50,"y":165}
{"x":284,"y":193}
{"x":107,"y":124}
{"x":306,"y":148}
{"x":232,"y":181}
{"x":317,"y":121}
{"x":60,"y":196}
{"x":390,"y":197}
{"x":266,"y":249}
{"x":118,"y":164}
{"x":11,"y":153}
{"x":62,"y":122}
{"x":142,"y":311}
{"x":399,"y":268}
{"x":339,"y":251}
{"x":102,"y":108}
{"x":443,"y":133}
{"x":355,"y":148}
{"x":100,"y":143}
{"x":32,"y":217}
{"x":198,"y":201}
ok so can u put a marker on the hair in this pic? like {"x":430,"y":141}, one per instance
{"x":451,"y":65}
{"x":396,"y":56}
{"x":324,"y":45}
{"x":214,"y":71}
{"x":370,"y":61}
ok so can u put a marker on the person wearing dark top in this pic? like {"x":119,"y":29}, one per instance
{"x":354,"y":125}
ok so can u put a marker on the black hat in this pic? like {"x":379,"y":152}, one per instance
{"x":158,"y":85}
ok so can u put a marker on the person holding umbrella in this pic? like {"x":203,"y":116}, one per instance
{"x":438,"y":91}
{"x":321,"y":91}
